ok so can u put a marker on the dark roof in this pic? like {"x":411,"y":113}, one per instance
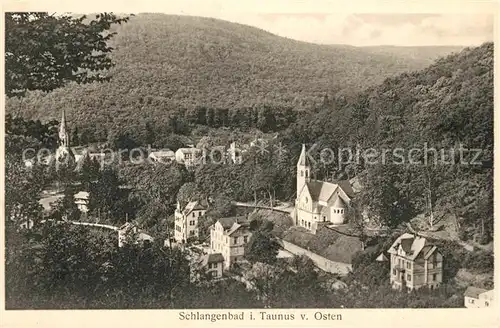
{"x":406,"y":244}
{"x":227,"y":223}
{"x":474,"y":292}
{"x":314,"y":187}
{"x":346,"y":187}
{"x":330,"y":244}
{"x":214,"y":258}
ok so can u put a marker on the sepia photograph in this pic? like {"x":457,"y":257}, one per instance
{"x":230,"y":160}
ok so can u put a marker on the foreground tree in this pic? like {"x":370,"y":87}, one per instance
{"x":45,"y":51}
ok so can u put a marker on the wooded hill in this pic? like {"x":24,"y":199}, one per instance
{"x":443,"y":106}
{"x":166,"y":63}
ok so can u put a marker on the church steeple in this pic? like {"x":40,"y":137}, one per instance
{"x":63,"y":132}
{"x":64,"y":152}
{"x":303,"y":170}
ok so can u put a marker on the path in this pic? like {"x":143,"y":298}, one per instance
{"x":285,"y":208}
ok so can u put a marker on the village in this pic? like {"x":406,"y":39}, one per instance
{"x":315,"y":225}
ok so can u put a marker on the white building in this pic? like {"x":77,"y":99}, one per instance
{"x":235,"y":154}
{"x":162,"y":156}
{"x":319,"y":201}
{"x":82,"y":201}
{"x":415,"y":263}
{"x":229,"y":236}
{"x":187,"y":220}
{"x":188,"y":156}
{"x":478,"y":298}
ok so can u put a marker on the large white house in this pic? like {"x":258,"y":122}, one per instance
{"x":319,"y":201}
{"x":187,"y":220}
{"x":229,"y":236}
{"x":415,"y":263}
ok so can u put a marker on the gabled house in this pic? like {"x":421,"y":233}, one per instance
{"x":478,"y":297}
{"x":319,"y":201}
{"x":229,"y":236}
{"x":188,"y":156}
{"x":162,"y":156}
{"x":187,"y":218}
{"x":212,"y":264}
{"x":415,"y":263}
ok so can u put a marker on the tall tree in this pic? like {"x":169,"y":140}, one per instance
{"x":45,"y":51}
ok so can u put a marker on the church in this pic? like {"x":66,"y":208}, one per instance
{"x":319,"y":201}
{"x":64,"y":153}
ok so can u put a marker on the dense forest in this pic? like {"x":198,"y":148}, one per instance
{"x":176,"y":64}
{"x":438,"y":111}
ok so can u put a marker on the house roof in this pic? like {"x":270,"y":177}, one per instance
{"x":474,"y":292}
{"x":413,"y":246}
{"x":331,"y":244}
{"x":192,"y":206}
{"x":227,"y":223}
{"x":189,"y":150}
{"x":212,"y":258}
{"x":162,"y":153}
{"x":82,"y":195}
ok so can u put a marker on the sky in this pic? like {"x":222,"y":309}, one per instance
{"x":374,"y":29}
{"x":352,"y":22}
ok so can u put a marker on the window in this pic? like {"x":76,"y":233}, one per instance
{"x":487,"y":303}
{"x":235,"y":240}
{"x":302,"y":222}
{"x":194,"y":214}
{"x":199,"y":213}
{"x":307,"y":173}
{"x":191,"y":233}
{"x":434,"y":277}
{"x":245,"y":239}
{"x":307,"y":200}
{"x":192,"y":222}
{"x":471,"y":300}
{"x":309,"y":225}
{"x":301,"y":173}
{"x":324,"y":218}
{"x":408,"y":265}
{"x":342,"y":211}
{"x":393,"y":272}
{"x":408,"y":277}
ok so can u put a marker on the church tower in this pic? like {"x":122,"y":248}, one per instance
{"x":63,"y":132}
{"x":64,"y":152}
{"x":303,"y":170}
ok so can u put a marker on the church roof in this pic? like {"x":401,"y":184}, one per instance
{"x":303,"y":160}
{"x":323,"y":191}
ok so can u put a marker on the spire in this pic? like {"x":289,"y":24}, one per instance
{"x":303,"y":160}
{"x":63,"y":133}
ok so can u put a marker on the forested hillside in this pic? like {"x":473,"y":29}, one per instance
{"x":447,"y":106}
{"x":179,"y":63}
